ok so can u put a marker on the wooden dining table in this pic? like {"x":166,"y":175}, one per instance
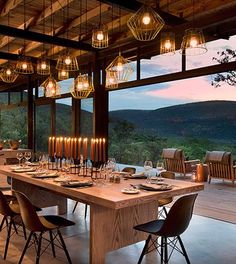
{"x":112,"y":213}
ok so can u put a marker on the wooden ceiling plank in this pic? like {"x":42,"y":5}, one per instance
{"x":9,"y":5}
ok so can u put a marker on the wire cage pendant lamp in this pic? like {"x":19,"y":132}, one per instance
{"x":193,"y":42}
{"x":167,"y":43}
{"x":43,"y":66}
{"x":24,"y":65}
{"x":121,"y":68}
{"x":100,"y":34}
{"x":51,"y":87}
{"x":145,"y":24}
{"x":67,"y":62}
{"x":111,"y":79}
{"x":63,"y":75}
{"x":8,"y":74}
{"x":82,"y":86}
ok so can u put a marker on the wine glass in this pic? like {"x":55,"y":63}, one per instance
{"x":19,"y":156}
{"x":27,"y":156}
{"x":160,"y":168}
{"x":148,"y":169}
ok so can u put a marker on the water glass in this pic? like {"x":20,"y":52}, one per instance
{"x":19,"y":156}
{"x":160,"y":168}
{"x":148,"y":169}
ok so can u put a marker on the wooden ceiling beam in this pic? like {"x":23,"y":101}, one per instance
{"x":9,"y":5}
{"x":43,"y":38}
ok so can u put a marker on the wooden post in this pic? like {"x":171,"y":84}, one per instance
{"x":76,"y":108}
{"x":30,"y":115}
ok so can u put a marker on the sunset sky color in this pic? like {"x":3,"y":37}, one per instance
{"x":177,"y":92}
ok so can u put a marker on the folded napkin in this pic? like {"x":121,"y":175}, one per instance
{"x":73,"y":184}
{"x":156,"y":187}
{"x":45,"y":175}
{"x":139,"y":175}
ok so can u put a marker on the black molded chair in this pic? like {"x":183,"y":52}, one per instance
{"x":169,"y":229}
{"x":39,"y":225}
{"x":11,"y":217}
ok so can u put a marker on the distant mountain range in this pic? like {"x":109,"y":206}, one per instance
{"x":214,"y":120}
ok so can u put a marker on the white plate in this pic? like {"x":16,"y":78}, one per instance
{"x":130,"y":191}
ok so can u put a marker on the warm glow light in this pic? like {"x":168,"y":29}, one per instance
{"x":63,"y":73}
{"x":146,"y":19}
{"x":167,"y":44}
{"x":100,"y":36}
{"x":24,"y":66}
{"x":111,"y":80}
{"x":50,"y":85}
{"x":79,"y":86}
{"x":119,"y":66}
{"x":86,"y":84}
{"x":43,"y":65}
{"x":193,"y":42}
{"x":68,"y":60}
{"x":8,"y":72}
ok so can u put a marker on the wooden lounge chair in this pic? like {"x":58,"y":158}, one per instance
{"x":176,"y":162}
{"x":220,"y":165}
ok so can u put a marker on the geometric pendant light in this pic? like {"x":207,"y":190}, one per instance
{"x":67,"y":62}
{"x":8,"y":74}
{"x":51,"y":87}
{"x":167,"y":44}
{"x":121,"y":68}
{"x":63,"y":75}
{"x":43,"y":66}
{"x":111,"y":79}
{"x":100,"y":37}
{"x":24,"y":65}
{"x":145,"y":24}
{"x":193,"y":42}
{"x":82,"y":86}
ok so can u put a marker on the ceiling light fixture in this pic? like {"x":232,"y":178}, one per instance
{"x":82,"y":86}
{"x":43,"y":66}
{"x":100,"y":34}
{"x":51,"y":87}
{"x":167,"y":46}
{"x":8,"y":74}
{"x":145,"y":24}
{"x":63,"y":75}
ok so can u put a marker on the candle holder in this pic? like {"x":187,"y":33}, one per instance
{"x":95,"y":170}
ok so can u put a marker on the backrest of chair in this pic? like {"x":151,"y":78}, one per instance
{"x":220,"y":164}
{"x":179,"y":216}
{"x":167,"y":174}
{"x":28,"y":213}
{"x":130,"y":170}
{"x":174,"y":160}
{"x":4,"y":207}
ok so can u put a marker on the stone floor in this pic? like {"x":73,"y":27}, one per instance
{"x":206,"y":240}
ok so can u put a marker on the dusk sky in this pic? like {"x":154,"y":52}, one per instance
{"x":178,"y":92}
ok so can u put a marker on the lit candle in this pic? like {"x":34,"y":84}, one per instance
{"x":65,"y":147}
{"x":75,"y":148}
{"x":85,"y":151}
{"x":53,"y":146}
{"x":92,"y":150}
{"x":104,"y":150}
{"x":96,"y":149}
{"x":100,"y":149}
{"x":50,"y":146}
{"x":57,"y":147}
{"x":79,"y":147}
{"x":69,"y":147}
{"x":61,"y":143}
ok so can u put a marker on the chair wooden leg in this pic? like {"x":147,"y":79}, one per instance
{"x":14,"y":225}
{"x":164,"y":209}
{"x":25,"y":248}
{"x":64,"y":246}
{"x":75,"y":207}
{"x":183,"y":249}
{"x":39,"y":248}
{"x":8,"y":239}
{"x":52,"y":244}
{"x":24,"y":230}
{"x":144,"y":249}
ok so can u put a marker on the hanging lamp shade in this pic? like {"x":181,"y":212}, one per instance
{"x":82,"y":86}
{"x":121,"y":68}
{"x":193,"y":42}
{"x":67,"y":62}
{"x":51,"y":87}
{"x":43,"y":66}
{"x":8,"y":74}
{"x":24,"y":65}
{"x":167,"y":46}
{"x":100,"y":37}
{"x":111,"y":79}
{"x":63,"y":75}
{"x":145,"y":24}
